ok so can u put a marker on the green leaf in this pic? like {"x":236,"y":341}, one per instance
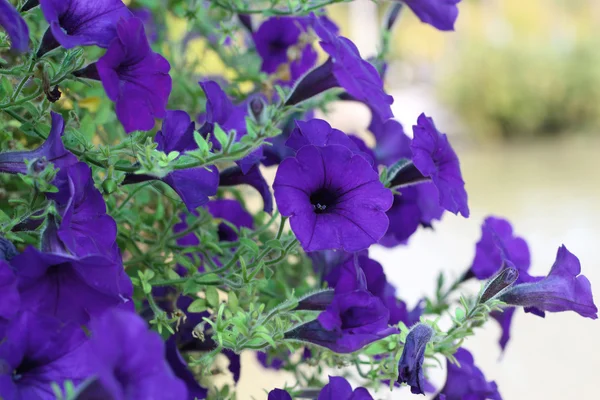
{"x":250,"y":244}
{"x":274,"y":244}
{"x":380,"y":347}
{"x":266,"y":338}
{"x":212,"y":297}
{"x":197,"y":306}
{"x":232,"y":301}
{"x":201,"y":142}
{"x":221,"y":136}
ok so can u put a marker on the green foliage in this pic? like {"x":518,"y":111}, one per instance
{"x":521,"y":89}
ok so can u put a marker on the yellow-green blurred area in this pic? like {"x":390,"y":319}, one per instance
{"x":512,"y":68}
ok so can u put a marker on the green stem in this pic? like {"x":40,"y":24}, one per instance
{"x":271,"y":11}
{"x":281,"y":226}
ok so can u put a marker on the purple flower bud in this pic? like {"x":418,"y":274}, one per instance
{"x":257,"y":106}
{"x":411,"y":362}
{"x":52,"y":150}
{"x":440,"y":14}
{"x":15,"y":26}
{"x":10,"y":300}
{"x":500,"y":282}
{"x":564,"y":289}
{"x":7,"y":249}
{"x":318,"y":301}
{"x":39,"y":165}
{"x":279,"y":394}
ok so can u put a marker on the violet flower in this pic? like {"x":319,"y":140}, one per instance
{"x":279,"y":43}
{"x":498,"y":243}
{"x":52,"y":150}
{"x":467,"y":381}
{"x":564,"y":289}
{"x":181,"y":370}
{"x":235,"y":176}
{"x":134,"y":77}
{"x":392,"y":143}
{"x":85,"y":228}
{"x":232,"y":212}
{"x":353,"y":319}
{"x":434,"y":158}
{"x":411,"y":362}
{"x":129,"y":360}
{"x":7,"y":249}
{"x":15,"y":26}
{"x":440,"y":14}
{"x":9,"y":293}
{"x":415,"y":206}
{"x":339,"y":388}
{"x":318,"y":132}
{"x":38,"y":350}
{"x":279,"y":394}
{"x":344,"y":68}
{"x":81,"y":22}
{"x":68,"y":287}
{"x":220,"y":110}
{"x":334,"y":199}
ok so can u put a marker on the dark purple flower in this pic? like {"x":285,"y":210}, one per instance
{"x":411,"y":362}
{"x":52,"y":150}
{"x":279,"y":394}
{"x":15,"y":26}
{"x":37,"y":351}
{"x":339,"y":388}
{"x":352,"y":321}
{"x":499,"y":243}
{"x":81,"y":22}
{"x":440,"y":14}
{"x":467,"y":381}
{"x":392,"y":143}
{"x":220,"y":110}
{"x":234,"y":176}
{"x":334,"y":199}
{"x":279,"y":42}
{"x":562,"y":290}
{"x":504,"y":318}
{"x":130,"y":360}
{"x":193,"y":185}
{"x":434,"y":158}
{"x":181,"y":370}
{"x":134,"y":77}
{"x":415,"y":206}
{"x":344,"y":68}
{"x":71,"y":288}
{"x":85,"y":228}
{"x":10,"y":299}
{"x":7,"y":249}
{"x":232,"y":212}
{"x":150,"y":26}
{"x":318,"y":132}
{"x":269,"y":362}
{"x":277,"y":151}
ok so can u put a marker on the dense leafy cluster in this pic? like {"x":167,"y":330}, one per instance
{"x":130,"y":258}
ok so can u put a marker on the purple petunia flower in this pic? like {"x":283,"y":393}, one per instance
{"x":504,"y":318}
{"x":353,"y":319}
{"x":498,"y":243}
{"x":7,"y":249}
{"x":440,"y":14}
{"x":232,"y":212}
{"x":15,"y":26}
{"x":81,"y":22}
{"x":562,"y":290}
{"x":344,"y":68}
{"x":339,"y":388}
{"x":37,"y":351}
{"x":220,"y":110}
{"x":234,"y":176}
{"x":434,"y":158}
{"x":334,"y":199}
{"x":279,"y":394}
{"x":279,"y":43}
{"x":52,"y":150}
{"x":392,"y":143}
{"x":181,"y":370}
{"x":85,"y":228}
{"x":134,"y":77}
{"x":193,"y":185}
{"x":411,"y":362}
{"x":68,"y":287}
{"x":150,"y":25}
{"x":318,"y":132}
{"x":9,"y":294}
{"x":467,"y":381}
{"x":415,"y":206}
{"x":130,"y":360}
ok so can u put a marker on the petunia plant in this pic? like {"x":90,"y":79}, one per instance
{"x":157,"y":219}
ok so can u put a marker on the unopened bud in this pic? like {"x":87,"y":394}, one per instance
{"x":39,"y":165}
{"x":257,"y":108}
{"x":497,"y":284}
{"x":109,"y":186}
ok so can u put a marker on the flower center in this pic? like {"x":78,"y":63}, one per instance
{"x":323,"y":200}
